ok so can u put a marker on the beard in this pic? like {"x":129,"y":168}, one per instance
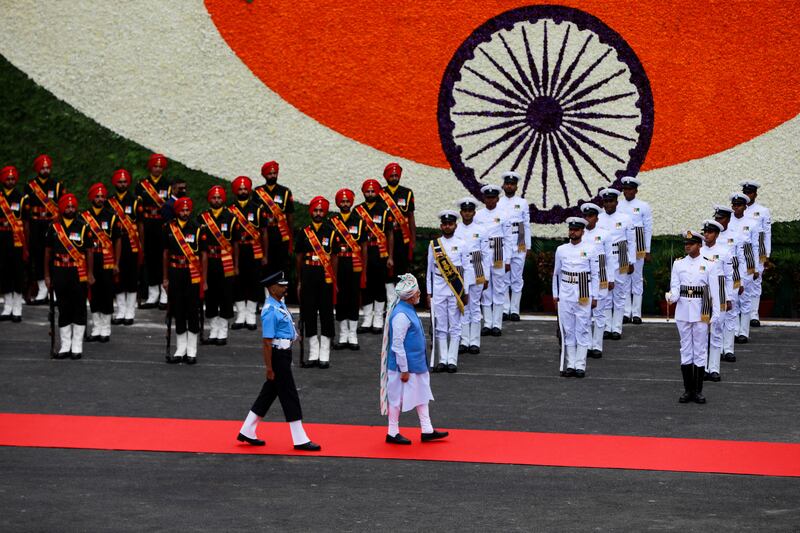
{"x":271,"y":181}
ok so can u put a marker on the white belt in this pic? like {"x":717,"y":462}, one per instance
{"x":281,"y":344}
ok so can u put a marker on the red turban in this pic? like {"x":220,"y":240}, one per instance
{"x":96,"y":189}
{"x":10,"y":170}
{"x":41,"y":161}
{"x":157,"y":159}
{"x":319,"y":201}
{"x":242,"y":180}
{"x":341,"y":194}
{"x":370,"y":184}
{"x":180,"y":203}
{"x":217,"y":189}
{"x":391,"y":167}
{"x":67,"y":200}
{"x":118,"y":175}
{"x":268,"y":167}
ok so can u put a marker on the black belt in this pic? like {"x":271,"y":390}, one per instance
{"x":692,"y":291}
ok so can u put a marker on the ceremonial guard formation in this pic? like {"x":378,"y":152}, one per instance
{"x":518,"y":215}
{"x":497,"y":231}
{"x":746,"y":229}
{"x":129,"y":252}
{"x":380,"y":255}
{"x":152,"y":192}
{"x":477,"y":245}
{"x":253,"y":246}
{"x":720,"y":254}
{"x":764,"y":225}
{"x":279,"y":212}
{"x":351,"y":273}
{"x":642,"y":218}
{"x":606,"y":268}
{"x":102,"y":223}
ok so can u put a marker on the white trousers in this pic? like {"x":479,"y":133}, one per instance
{"x":472,"y":314}
{"x":756,"y":296}
{"x":495,"y":293}
{"x":622,"y":287}
{"x":514,"y":282}
{"x":694,"y":342}
{"x":422,"y":412}
{"x":599,"y":319}
{"x":448,"y":316}
{"x":576,"y":323}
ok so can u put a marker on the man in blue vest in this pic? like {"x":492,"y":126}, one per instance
{"x":405,"y":381}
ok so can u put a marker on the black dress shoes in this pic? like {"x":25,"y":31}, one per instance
{"x":626,"y":320}
{"x":615,"y":336}
{"x":434,"y":435}
{"x":128,"y":322}
{"x":580,"y":373}
{"x":93,"y":338}
{"x":441,"y":367}
{"x":462,"y":349}
{"x":376,"y":331}
{"x":606,"y":335}
{"x":146,"y":305}
{"x":497,"y":332}
{"x":569,"y":373}
{"x":104,"y":339}
{"x":338,"y":345}
{"x":74,"y":356}
{"x":685,"y":397}
{"x":221,"y":342}
{"x":755,"y":323}
{"x":4,"y":318}
{"x":189,"y":360}
{"x":117,"y":321}
{"x":594,"y":354}
{"x":324,"y":365}
{"x":397,"y":439}
{"x":485,"y":332}
{"x":636,"y":320}
{"x":61,"y":355}
{"x":452,"y":369}
{"x":729,"y":357}
{"x":251,"y":327}
{"x":353,"y":346}
{"x":308,"y":447}
{"x":162,"y":307}
{"x":252,"y":442}
{"x":16,"y":319}
{"x":505,"y":317}
{"x":173,"y":360}
{"x":362,"y":329}
{"x":715,"y":377}
{"x":513,"y":317}
{"x":237,"y":325}
{"x":474,"y":349}
{"x":309,"y":364}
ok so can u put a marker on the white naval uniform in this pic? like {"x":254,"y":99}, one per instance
{"x":642,"y":216}
{"x":497,"y":229}
{"x":476,"y":244}
{"x":693,"y":272}
{"x":747,"y":229}
{"x":758,"y":211}
{"x":518,"y":213}
{"x":448,"y":316}
{"x":620,"y":228}
{"x":721,"y":255}
{"x":575,"y":318}
{"x":603,"y":251}
{"x":739,"y":271}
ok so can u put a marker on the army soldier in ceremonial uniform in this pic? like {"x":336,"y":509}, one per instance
{"x":129,"y":253}
{"x":642,"y":216}
{"x":183,"y":280}
{"x":720,"y":254}
{"x":575,"y":288}
{"x":13,"y":246}
{"x":351,"y":243}
{"x":400,"y":202}
{"x":278,"y":206}
{"x":316,"y":272}
{"x":278,"y":333}
{"x":68,"y":265}
{"x":758,"y":211}
{"x":518,"y":213}
{"x":380,"y":255}
{"x":747,"y":229}
{"x":693,"y":285}
{"x":448,"y":275}
{"x":497,"y":230}
{"x":102,"y":223}
{"x":477,"y":246}
{"x":219,"y":255}
{"x":623,"y":237}
{"x":39,"y":211}
{"x":253,"y":246}
{"x":606,"y":268}
{"x":152,"y":193}
{"x":722,"y":215}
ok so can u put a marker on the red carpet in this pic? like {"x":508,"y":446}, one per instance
{"x":471,"y":446}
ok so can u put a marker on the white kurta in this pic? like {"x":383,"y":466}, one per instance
{"x":417,"y":390}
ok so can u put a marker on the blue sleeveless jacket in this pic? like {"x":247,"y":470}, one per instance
{"x":414,"y":342}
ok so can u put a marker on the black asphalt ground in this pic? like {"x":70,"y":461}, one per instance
{"x":513,"y":385}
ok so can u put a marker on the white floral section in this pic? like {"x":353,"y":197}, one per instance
{"x":160,"y":74}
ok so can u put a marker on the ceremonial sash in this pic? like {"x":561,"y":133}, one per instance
{"x":383,"y":246}
{"x":194,"y":263}
{"x":737,"y":276}
{"x":723,"y":299}
{"x":520,"y":237}
{"x":251,"y":230}
{"x":106,"y":245}
{"x":583,"y":287}
{"x":152,"y":193}
{"x":225,"y":245}
{"x":355,"y":248}
{"x":16,"y":223}
{"x":283,"y":223}
{"x":127,"y":223}
{"x":496,"y":244}
{"x":48,"y":204}
{"x":640,"y":244}
{"x":705,"y":311}
{"x":321,"y":254}
{"x":72,"y":250}
{"x":399,"y":217}
{"x":601,"y":259}
{"x":477,"y":264}
{"x":749,"y":258}
{"x":449,"y":272}
{"x":762,"y":247}
{"x":622,"y":252}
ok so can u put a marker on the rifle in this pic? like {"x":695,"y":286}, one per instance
{"x":168,"y":320}
{"x":560,"y":336}
{"x":202,"y":317}
{"x":433,"y":332}
{"x":302,"y":335}
{"x":51,"y":317}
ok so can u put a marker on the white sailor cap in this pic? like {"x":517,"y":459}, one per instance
{"x":722,"y":211}
{"x":467,"y":202}
{"x":691,"y":236}
{"x":738,"y":197}
{"x":608,"y":192}
{"x":589,"y":206}
{"x":630,"y":181}
{"x":448,"y":215}
{"x":712,"y":225}
{"x":510,"y":176}
{"x":491,"y":190}
{"x":576,"y":223}
{"x":750,"y":184}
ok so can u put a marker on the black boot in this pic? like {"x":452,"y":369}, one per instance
{"x":699,"y":371}
{"x":688,"y":383}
